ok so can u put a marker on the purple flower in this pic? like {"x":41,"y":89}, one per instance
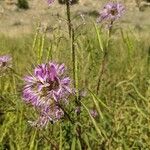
{"x":45,"y":89}
{"x":111,"y":12}
{"x":46,"y":85}
{"x":48,"y":114}
{"x":50,"y":2}
{"x":93,"y":113}
{"x":5,"y":62}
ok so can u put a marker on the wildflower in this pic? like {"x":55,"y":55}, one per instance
{"x":111,"y":12}
{"x":48,"y":114}
{"x":78,"y":110}
{"x":45,"y":89}
{"x":93,"y":113}
{"x":46,"y":85}
{"x":50,"y":2}
{"x":5,"y":63}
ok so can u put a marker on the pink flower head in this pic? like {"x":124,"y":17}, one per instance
{"x":50,"y":2}
{"x":93,"y":113}
{"x":111,"y":12}
{"x":46,"y":85}
{"x":5,"y":62}
{"x":45,"y":89}
{"x":48,"y":114}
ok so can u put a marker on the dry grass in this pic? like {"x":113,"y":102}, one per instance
{"x":14,"y":22}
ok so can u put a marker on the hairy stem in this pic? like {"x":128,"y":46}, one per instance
{"x":73,"y":59}
{"x":69,"y":17}
{"x":72,"y":40}
{"x":74,"y":66}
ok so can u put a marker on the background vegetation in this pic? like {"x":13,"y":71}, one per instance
{"x":123,"y":104}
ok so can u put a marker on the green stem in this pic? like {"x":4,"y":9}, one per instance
{"x":73,"y":59}
{"x":74,"y":64}
{"x":104,"y":60}
{"x":72,"y":43}
{"x":16,"y":74}
{"x":148,"y":61}
{"x":65,"y":113}
{"x":68,"y":17}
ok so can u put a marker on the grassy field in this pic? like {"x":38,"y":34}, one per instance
{"x":15,"y":22}
{"x":122,"y":103}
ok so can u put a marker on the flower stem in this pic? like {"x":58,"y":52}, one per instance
{"x":73,"y":60}
{"x":74,"y":66}
{"x":72,"y":44}
{"x":68,"y":17}
{"x":65,"y":113}
{"x":104,"y":61}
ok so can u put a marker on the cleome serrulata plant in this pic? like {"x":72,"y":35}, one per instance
{"x":46,"y":89}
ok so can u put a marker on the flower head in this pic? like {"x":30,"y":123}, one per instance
{"x":5,"y":63}
{"x":111,"y":12}
{"x":45,"y":89}
{"x":50,"y":2}
{"x":46,"y":85}
{"x":93,"y":113}
{"x":48,"y":114}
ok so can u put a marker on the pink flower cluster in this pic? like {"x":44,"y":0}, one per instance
{"x":50,"y":2}
{"x":111,"y":12}
{"x":45,"y":89}
{"x":5,"y":63}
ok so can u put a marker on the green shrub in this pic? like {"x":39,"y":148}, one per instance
{"x":23,"y":4}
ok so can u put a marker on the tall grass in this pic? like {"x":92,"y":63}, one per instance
{"x":123,"y":104}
